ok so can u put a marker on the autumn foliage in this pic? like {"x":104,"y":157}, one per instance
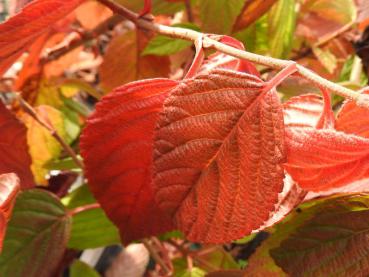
{"x":112,"y":134}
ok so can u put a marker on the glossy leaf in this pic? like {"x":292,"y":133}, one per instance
{"x":17,"y":33}
{"x":9,"y":187}
{"x":218,"y":164}
{"x":14,"y":149}
{"x":223,"y":15}
{"x":117,"y":149}
{"x":131,"y":66}
{"x":90,"y":228}
{"x":333,"y":241}
{"x":36,"y":236}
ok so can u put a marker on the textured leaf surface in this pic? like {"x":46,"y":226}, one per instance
{"x":13,"y":148}
{"x":9,"y":187}
{"x":353,"y":119}
{"x":219,"y":16}
{"x":131,"y":66}
{"x":17,"y":33}
{"x":217,"y":164}
{"x":333,"y":241}
{"x":90,"y":228}
{"x":36,"y":236}
{"x":321,"y":159}
{"x":117,"y":148}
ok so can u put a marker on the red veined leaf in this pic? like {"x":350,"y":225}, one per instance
{"x":13,"y":148}
{"x":17,"y":33}
{"x":9,"y":187}
{"x":353,"y":119}
{"x":218,"y":154}
{"x":220,"y":60}
{"x":117,"y":149}
{"x":321,"y":159}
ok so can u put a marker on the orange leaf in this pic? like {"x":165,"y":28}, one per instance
{"x":17,"y":33}
{"x":13,"y":148}
{"x":353,"y":119}
{"x":219,"y":149}
{"x":321,"y":159}
{"x":123,"y":62}
{"x":9,"y":187}
{"x":252,"y":11}
{"x":117,"y":149}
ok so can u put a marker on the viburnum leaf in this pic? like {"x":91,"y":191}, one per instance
{"x":9,"y":187}
{"x":36,"y":236}
{"x":13,"y":148}
{"x":18,"y":33}
{"x":327,"y":238}
{"x":321,"y":159}
{"x":353,"y":119}
{"x":218,"y":154}
{"x":117,"y":149}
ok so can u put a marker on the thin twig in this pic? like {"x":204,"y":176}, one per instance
{"x":84,"y":38}
{"x":155,"y":255}
{"x":47,"y":125}
{"x":209,"y":42}
{"x":84,"y":208}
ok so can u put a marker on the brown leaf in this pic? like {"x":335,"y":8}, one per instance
{"x":123,"y":63}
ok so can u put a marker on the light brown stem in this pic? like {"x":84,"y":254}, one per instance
{"x":31,"y":111}
{"x":155,"y":255}
{"x":208,"y":42}
{"x":87,"y":207}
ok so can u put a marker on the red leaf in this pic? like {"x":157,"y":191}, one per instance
{"x":17,"y":33}
{"x":117,"y":148}
{"x":321,"y":159}
{"x":9,"y":187}
{"x":13,"y":148}
{"x":219,"y":149}
{"x":353,"y":119}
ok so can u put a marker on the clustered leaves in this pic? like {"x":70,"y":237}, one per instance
{"x":205,"y":150}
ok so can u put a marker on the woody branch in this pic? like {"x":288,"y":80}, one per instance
{"x":211,"y":42}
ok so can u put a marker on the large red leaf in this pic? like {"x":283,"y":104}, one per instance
{"x":13,"y":148}
{"x":117,"y":149}
{"x":219,"y":149}
{"x":9,"y":187}
{"x":17,"y":33}
{"x":321,"y":159}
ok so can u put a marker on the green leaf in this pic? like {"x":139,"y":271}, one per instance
{"x":332,"y":241}
{"x":36,"y":236}
{"x":255,"y":37}
{"x":181,"y":269}
{"x":90,"y":228}
{"x":326,"y":58}
{"x":81,"y":269}
{"x":63,"y":164}
{"x":282,"y":21}
{"x":164,"y":45}
{"x":219,"y":16}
